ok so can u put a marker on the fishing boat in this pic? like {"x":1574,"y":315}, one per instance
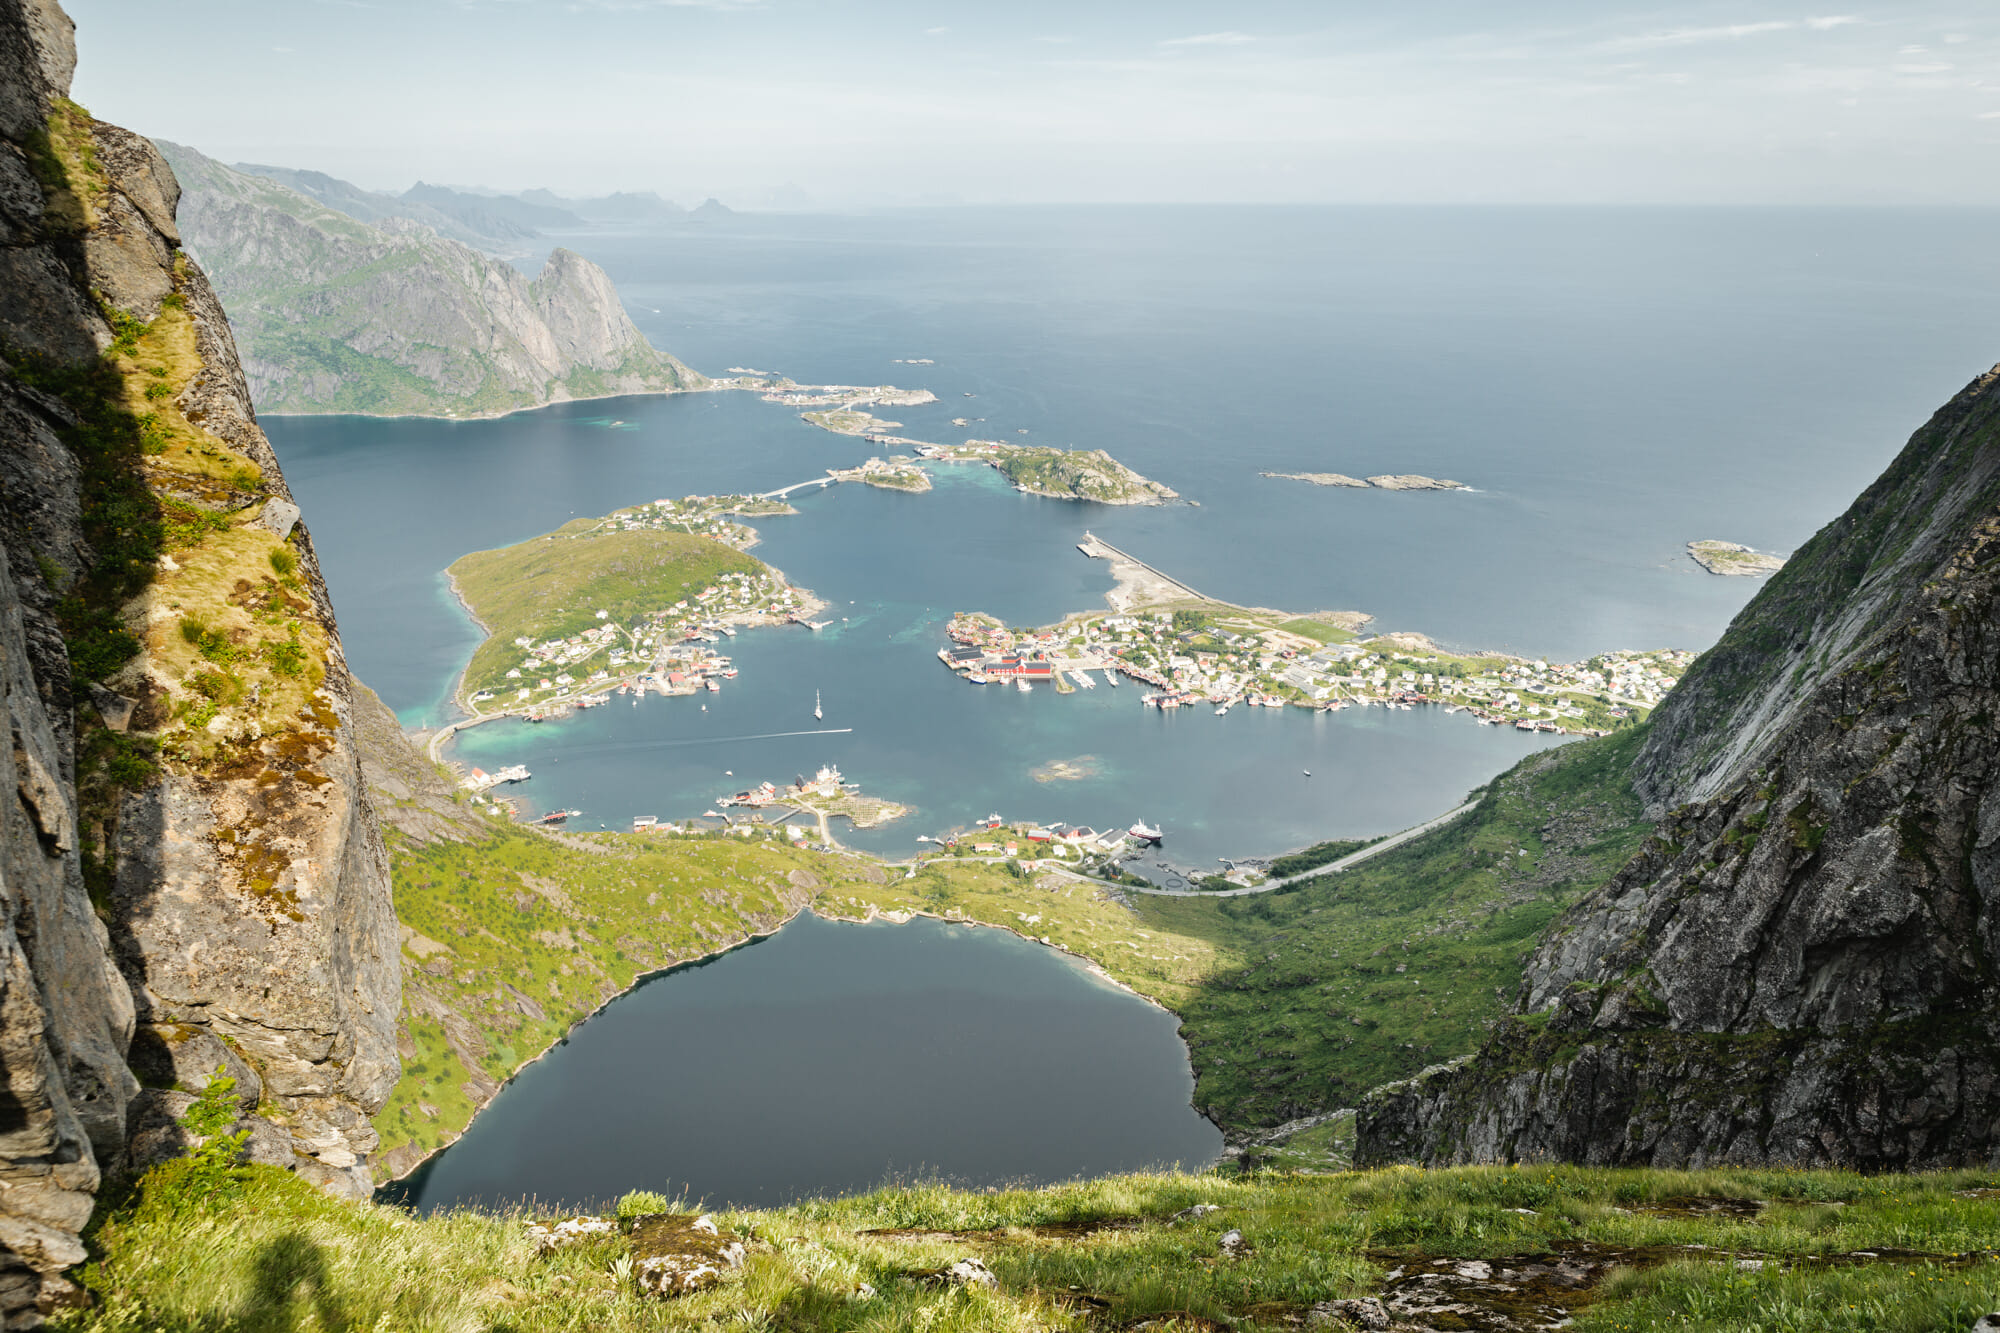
{"x":713,"y":686}
{"x":1146,"y":833}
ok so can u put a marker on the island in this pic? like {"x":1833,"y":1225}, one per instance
{"x":1059,"y":474}
{"x":1728,"y":558}
{"x":631,"y":601}
{"x":1197,"y":650}
{"x":1388,"y":481}
{"x":895,"y":473}
{"x":826,"y":796}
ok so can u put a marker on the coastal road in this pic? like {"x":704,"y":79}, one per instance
{"x":1331,"y":868}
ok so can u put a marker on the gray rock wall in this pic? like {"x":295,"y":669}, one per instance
{"x":1800,"y":966}
{"x":179,"y":949}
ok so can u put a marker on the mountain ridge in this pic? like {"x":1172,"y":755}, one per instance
{"x":1797,"y":968}
{"x":334,"y":314}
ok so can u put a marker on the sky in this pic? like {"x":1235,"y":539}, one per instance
{"x":875,"y":102}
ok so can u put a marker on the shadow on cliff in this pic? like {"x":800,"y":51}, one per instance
{"x":293,"y":1288}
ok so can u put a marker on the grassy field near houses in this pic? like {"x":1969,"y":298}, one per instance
{"x":551,"y":588}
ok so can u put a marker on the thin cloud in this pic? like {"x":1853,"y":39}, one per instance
{"x":1830,"y":21}
{"x":1211,"y":39}
{"x":936,"y":32}
{"x":1727,"y":32}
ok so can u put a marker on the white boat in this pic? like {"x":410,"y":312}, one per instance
{"x":1144,"y":833}
{"x":1022,"y":685}
{"x":1111,"y":678}
{"x":816,"y":709}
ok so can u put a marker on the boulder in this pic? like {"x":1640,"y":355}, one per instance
{"x":676,"y":1254}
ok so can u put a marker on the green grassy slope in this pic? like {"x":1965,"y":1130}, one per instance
{"x":511,"y":939}
{"x":1353,"y":980}
{"x":1833,"y":1253}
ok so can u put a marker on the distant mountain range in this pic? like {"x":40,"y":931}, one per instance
{"x":346,"y":300}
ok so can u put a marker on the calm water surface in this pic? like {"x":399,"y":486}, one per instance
{"x":1614,"y":383}
{"x":832,"y":1058}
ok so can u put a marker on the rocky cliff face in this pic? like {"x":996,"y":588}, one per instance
{"x":1800,"y":966}
{"x":338,"y":315}
{"x":190,"y":873}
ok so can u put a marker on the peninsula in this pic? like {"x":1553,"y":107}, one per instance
{"x":334,"y":314}
{"x":1388,"y":481}
{"x":1195,"y":650}
{"x":1728,"y":558}
{"x":627,"y":601}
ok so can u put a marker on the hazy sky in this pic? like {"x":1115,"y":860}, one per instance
{"x":861,"y":101}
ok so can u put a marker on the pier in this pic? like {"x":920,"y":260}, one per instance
{"x":1139,"y":584}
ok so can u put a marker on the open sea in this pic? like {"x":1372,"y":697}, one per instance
{"x":1612,"y":382}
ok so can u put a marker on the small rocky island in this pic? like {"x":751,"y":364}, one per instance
{"x":1388,"y":481}
{"x":1060,"y":474}
{"x":1730,"y":558}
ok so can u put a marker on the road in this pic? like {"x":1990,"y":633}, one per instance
{"x":1331,"y":868}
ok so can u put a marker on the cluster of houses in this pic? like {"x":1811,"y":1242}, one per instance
{"x":668,"y":653}
{"x":1200,"y":662}
{"x":699,"y":516}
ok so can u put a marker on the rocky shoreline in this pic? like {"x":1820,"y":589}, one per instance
{"x":1729,"y":558}
{"x":1387,"y":481}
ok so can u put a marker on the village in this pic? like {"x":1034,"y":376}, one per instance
{"x":673,"y":653}
{"x":1193,"y":658}
{"x":699,"y":516}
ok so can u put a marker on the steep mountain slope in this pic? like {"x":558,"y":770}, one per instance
{"x":1800,"y":965}
{"x":336,"y":315}
{"x":191,"y":875}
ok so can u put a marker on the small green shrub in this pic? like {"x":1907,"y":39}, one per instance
{"x":286,"y":659}
{"x":283,"y":561}
{"x":641,"y":1202}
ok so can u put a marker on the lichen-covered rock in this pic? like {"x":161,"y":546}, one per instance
{"x":1798,"y":966}
{"x":1366,"y":1313}
{"x":568,"y":1231}
{"x":676,"y":1254}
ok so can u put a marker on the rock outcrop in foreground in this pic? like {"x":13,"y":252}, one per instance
{"x":337,"y":315}
{"x":1800,"y":966}
{"x":190,"y":871}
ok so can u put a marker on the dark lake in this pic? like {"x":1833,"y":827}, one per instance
{"x":831,"y":1058}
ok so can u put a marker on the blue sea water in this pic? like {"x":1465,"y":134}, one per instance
{"x":1612,"y":382}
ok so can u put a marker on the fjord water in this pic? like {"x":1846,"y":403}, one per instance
{"x":831,"y":1058}
{"x":1614,"y":383}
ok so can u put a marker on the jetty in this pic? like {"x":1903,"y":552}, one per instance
{"x":1139,"y":584}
